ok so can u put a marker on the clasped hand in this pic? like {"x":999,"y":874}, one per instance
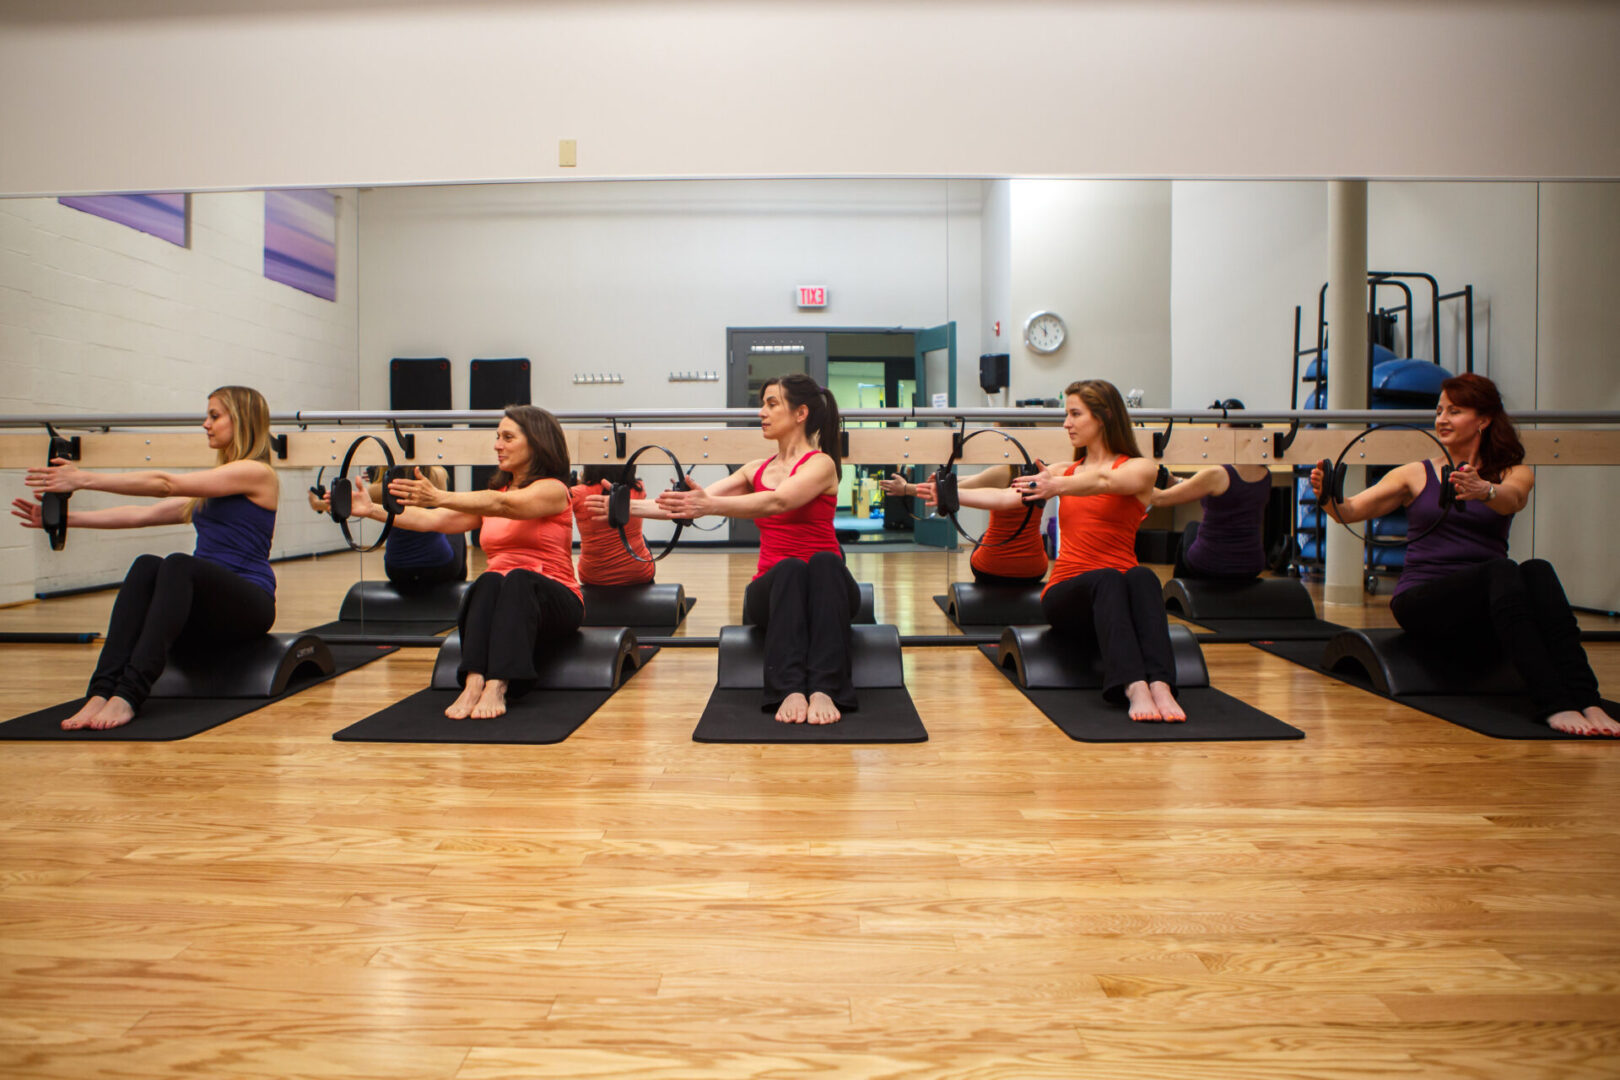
{"x":1036,"y":488}
{"x":1468,"y":484}
{"x":415,"y":491}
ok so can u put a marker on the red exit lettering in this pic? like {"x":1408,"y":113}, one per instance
{"x":812,"y":296}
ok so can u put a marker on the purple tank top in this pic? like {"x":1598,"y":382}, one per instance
{"x":1230,"y":541}
{"x":235,"y":533}
{"x":1473,"y":533}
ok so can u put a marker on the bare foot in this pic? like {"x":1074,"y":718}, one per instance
{"x":462,"y":707}
{"x":492,"y":702}
{"x":1605,"y":724}
{"x":1141,"y":701}
{"x":822,"y":709}
{"x":1571,"y":722}
{"x":793,"y":709}
{"x":87,"y":712}
{"x":116,"y":713}
{"x":1169,"y":709}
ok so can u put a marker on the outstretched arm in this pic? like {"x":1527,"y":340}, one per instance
{"x":254,"y":479}
{"x":1210,"y":481}
{"x":166,"y":512}
{"x":1398,"y":488}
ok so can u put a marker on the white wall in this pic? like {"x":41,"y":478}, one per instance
{"x":995,"y":284}
{"x":97,"y":317}
{"x":1096,"y":252}
{"x":242,"y":94}
{"x":1577,"y":509}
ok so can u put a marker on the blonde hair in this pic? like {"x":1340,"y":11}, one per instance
{"x":250,"y":429}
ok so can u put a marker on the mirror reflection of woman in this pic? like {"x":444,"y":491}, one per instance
{"x":528,"y":596}
{"x":415,"y":559}
{"x":1457,"y":584}
{"x":1012,"y":551}
{"x":225,"y":591}
{"x":1229,"y":543}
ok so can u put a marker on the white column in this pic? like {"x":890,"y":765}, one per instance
{"x":1347,"y":362}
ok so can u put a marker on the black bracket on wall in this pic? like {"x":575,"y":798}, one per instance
{"x":62,"y":446}
{"x":278,"y":443}
{"x":1282,"y":440}
{"x":1161,"y":439}
{"x":619,"y":440}
{"x":406,"y":440}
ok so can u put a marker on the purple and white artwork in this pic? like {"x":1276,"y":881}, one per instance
{"x":300,"y":240}
{"x":161,"y":214}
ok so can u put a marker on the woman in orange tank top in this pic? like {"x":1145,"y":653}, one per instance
{"x":528,"y":597}
{"x":602,"y":557}
{"x":1097,"y":590}
{"x":1012,"y":550}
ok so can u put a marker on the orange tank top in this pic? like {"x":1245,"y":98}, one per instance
{"x":1096,"y":532}
{"x":1007,"y":551}
{"x":602,"y":558}
{"x":542,"y":545}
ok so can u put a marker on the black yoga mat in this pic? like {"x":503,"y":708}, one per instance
{"x":1247,"y":630}
{"x":886,"y":715}
{"x":944,"y":604}
{"x":166,"y":719}
{"x":539,"y":717}
{"x":1213,"y":716}
{"x":1499,"y":716}
{"x":381,"y":628}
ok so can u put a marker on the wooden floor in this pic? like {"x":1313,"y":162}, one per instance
{"x":1392,"y":896}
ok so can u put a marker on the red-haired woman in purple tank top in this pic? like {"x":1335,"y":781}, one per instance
{"x":802,"y":596}
{"x":1458,"y":583}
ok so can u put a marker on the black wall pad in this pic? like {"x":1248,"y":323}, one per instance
{"x":1212,"y":716}
{"x":595,"y":658}
{"x":259,"y":668}
{"x":654,"y":607}
{"x":868,"y":613}
{"x":1496,"y":715}
{"x":1041,"y":658}
{"x":495,"y":384}
{"x":886,"y":715}
{"x":538,"y":717}
{"x":419,"y":384}
{"x":969,"y":604}
{"x":1198,"y":599}
{"x":874,"y":658}
{"x":369,"y":601}
{"x":163,"y":719}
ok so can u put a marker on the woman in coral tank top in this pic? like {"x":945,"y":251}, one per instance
{"x":528,"y":597}
{"x":1096,"y":587}
{"x":802,"y":596}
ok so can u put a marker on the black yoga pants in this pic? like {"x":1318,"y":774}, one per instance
{"x":164,"y":600}
{"x":806,"y":608}
{"x":507,"y":619}
{"x":1517,"y":612}
{"x":1123,"y":611}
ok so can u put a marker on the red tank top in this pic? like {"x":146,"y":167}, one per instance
{"x":543,"y":545}
{"x":1007,"y":552}
{"x":795,"y":534}
{"x":1096,"y":532}
{"x":602,"y":558}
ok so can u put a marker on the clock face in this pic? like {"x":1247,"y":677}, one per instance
{"x":1044,"y":332}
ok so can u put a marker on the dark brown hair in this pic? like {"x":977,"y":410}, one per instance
{"x":1103,"y":401}
{"x":548,"y":450}
{"x":823,"y":422}
{"x":1499,"y":445}
{"x":595,"y":474}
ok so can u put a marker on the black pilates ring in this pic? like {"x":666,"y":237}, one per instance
{"x":618,"y":514}
{"x":342,"y":492}
{"x":1333,"y":485}
{"x":947,"y":504}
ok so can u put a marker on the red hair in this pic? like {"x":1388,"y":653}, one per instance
{"x":1499,"y":445}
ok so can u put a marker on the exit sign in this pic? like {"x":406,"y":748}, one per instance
{"x":812,"y":296}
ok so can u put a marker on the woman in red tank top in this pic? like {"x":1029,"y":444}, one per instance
{"x":1012,"y":550}
{"x":1097,"y":590}
{"x":528,"y":597}
{"x":802,"y":596}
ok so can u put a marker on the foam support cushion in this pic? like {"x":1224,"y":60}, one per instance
{"x":383,"y":600}
{"x":1046,"y":659}
{"x":874,"y":657}
{"x":1261,"y":598}
{"x":257,"y":668}
{"x":972,"y":604}
{"x":1400,"y":665}
{"x":594,"y":658}
{"x":652,"y":604}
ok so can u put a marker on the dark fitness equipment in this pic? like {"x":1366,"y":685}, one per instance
{"x":947,"y":503}
{"x":1333,"y":486}
{"x":618,"y":515}
{"x":342,"y":493}
{"x":53,"y":505}
{"x":651,"y":608}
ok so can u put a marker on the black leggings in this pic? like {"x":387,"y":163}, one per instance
{"x":1184,"y":569}
{"x":164,"y":600}
{"x":454,"y":570}
{"x":806,"y":610}
{"x":505,"y":620}
{"x":1123,"y":612}
{"x":1516,"y":613}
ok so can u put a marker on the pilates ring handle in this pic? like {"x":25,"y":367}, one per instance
{"x":342,"y":494}
{"x":946,"y":501}
{"x":1333,"y":485}
{"x":618,"y":515}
